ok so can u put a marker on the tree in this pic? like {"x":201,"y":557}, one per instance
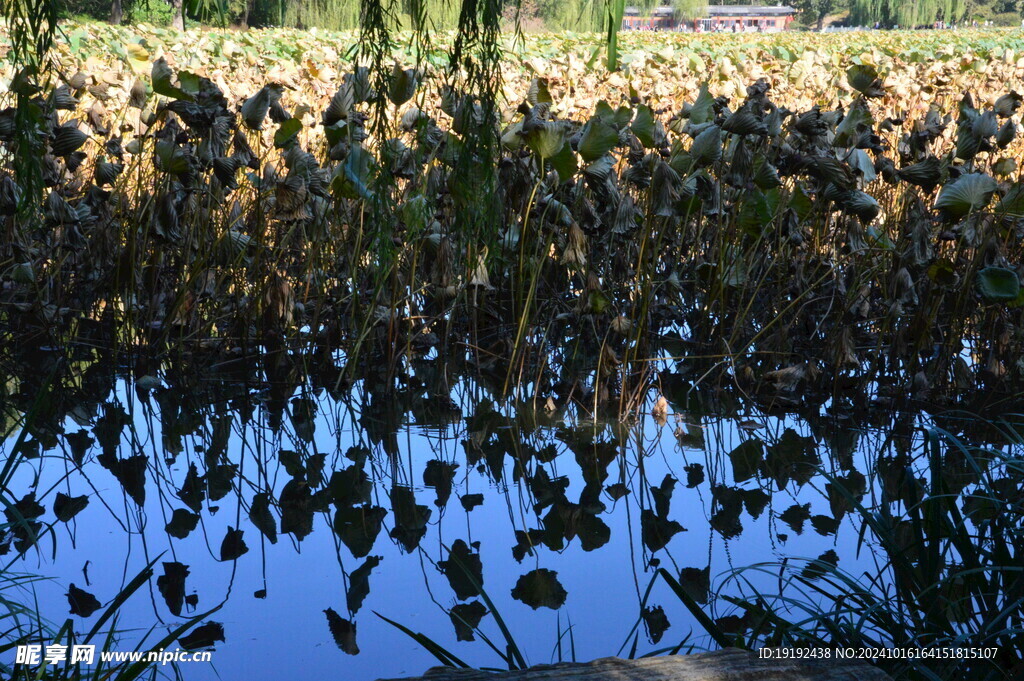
{"x":116,"y":13}
{"x":178,"y":21}
{"x":689,"y":9}
{"x":817,"y":10}
{"x":909,"y":14}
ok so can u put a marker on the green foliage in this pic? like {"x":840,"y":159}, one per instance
{"x":907,"y":14}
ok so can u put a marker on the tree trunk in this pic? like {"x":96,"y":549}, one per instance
{"x":245,"y":14}
{"x":821,"y":22}
{"x":723,"y":665}
{"x":116,"y":14}
{"x":178,"y":21}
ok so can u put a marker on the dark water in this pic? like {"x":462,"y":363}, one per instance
{"x":721,"y":485}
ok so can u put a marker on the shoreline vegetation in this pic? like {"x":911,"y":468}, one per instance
{"x":799,"y":224}
{"x":869,"y":248}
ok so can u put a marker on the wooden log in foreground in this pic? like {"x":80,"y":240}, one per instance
{"x":731,"y":664}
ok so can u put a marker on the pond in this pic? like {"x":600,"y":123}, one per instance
{"x":309,"y":508}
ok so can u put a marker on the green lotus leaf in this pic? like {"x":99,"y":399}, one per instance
{"x":967,"y":194}
{"x":998,"y":284}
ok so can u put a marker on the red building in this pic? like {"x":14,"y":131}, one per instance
{"x":730,"y":18}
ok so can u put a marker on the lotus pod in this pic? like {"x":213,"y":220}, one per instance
{"x":95,"y":115}
{"x":107,"y":172}
{"x":63,"y":99}
{"x":78,"y":81}
{"x":138,"y":95}
{"x":99,"y":90}
{"x":66,"y":139}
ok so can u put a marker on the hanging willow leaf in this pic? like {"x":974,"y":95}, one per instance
{"x":967,"y":194}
